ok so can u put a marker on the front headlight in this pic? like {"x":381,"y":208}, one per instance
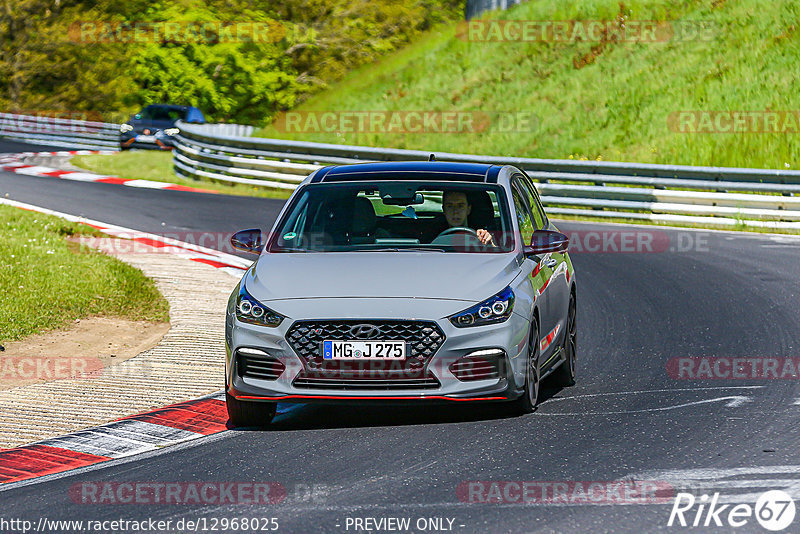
{"x":492,"y":310}
{"x":172,"y":131}
{"x":125,"y":128}
{"x":249,"y":310}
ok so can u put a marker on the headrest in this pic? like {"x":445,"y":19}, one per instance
{"x":363,"y":216}
{"x":482,"y":213}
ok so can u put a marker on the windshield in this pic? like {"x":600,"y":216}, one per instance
{"x":396,"y":216}
{"x":162,"y":113}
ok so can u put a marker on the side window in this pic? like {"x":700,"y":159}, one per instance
{"x":523,"y":216}
{"x":533,"y":201}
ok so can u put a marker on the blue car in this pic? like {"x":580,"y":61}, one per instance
{"x":154,"y":126}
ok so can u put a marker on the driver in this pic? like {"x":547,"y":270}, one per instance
{"x":456,"y":208}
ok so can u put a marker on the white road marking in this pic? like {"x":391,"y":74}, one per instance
{"x":121,"y":438}
{"x":149,"y":184}
{"x":147,"y":432}
{"x":79,"y":176}
{"x":734,"y":401}
{"x":203,"y":439}
{"x":706,"y":481}
{"x":644,"y":391}
{"x":35,"y":171}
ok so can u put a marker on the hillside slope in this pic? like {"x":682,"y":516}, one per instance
{"x":598,"y":100}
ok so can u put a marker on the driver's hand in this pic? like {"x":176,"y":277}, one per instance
{"x":485,"y":237}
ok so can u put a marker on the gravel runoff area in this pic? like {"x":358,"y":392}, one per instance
{"x":187,"y":363}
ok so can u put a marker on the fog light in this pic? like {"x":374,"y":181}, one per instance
{"x":479,"y":365}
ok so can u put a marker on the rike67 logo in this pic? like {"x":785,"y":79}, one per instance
{"x":774,"y":510}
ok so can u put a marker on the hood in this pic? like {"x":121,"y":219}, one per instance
{"x":435,"y":275}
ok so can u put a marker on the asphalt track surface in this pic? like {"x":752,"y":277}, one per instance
{"x":728,"y":295}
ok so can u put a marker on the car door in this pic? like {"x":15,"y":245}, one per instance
{"x":558,"y":300}
{"x":541,"y":272}
{"x":548,"y":267}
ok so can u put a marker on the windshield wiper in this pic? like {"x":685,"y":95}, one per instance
{"x":413,"y":249}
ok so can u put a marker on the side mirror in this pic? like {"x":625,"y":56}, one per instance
{"x":248,"y":240}
{"x":546,"y":241}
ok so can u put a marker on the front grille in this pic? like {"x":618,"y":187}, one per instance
{"x":476,"y":368}
{"x":259,"y":366}
{"x":423,"y":339}
{"x":316,"y":381}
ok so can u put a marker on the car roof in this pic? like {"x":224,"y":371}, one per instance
{"x":408,"y":170}
{"x":169,"y":106}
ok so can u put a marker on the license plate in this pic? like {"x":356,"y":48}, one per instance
{"x":146,"y":138}
{"x":363,"y":350}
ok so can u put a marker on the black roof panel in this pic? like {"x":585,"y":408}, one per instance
{"x":407,"y":170}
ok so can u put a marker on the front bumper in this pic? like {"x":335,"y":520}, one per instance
{"x":159,"y":141}
{"x":509,"y":337}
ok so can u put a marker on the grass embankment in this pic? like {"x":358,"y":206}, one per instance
{"x":157,"y":166}
{"x":47,"y":281}
{"x":610,"y":101}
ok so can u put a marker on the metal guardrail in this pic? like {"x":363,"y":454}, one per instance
{"x":86,"y":134}
{"x":226,"y":129}
{"x":666,"y":193}
{"x":476,"y":7}
{"x":63,"y":132}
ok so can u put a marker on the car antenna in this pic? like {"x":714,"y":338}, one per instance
{"x":432,"y":157}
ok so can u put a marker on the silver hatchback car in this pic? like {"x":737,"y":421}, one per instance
{"x":402,"y":282}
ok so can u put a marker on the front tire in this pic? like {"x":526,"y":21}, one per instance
{"x":526,"y":403}
{"x":249,"y":414}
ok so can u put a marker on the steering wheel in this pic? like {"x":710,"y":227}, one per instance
{"x":458,"y":230}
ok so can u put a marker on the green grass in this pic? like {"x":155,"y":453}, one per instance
{"x":47,"y":281}
{"x":616,"y":108}
{"x":157,"y":166}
